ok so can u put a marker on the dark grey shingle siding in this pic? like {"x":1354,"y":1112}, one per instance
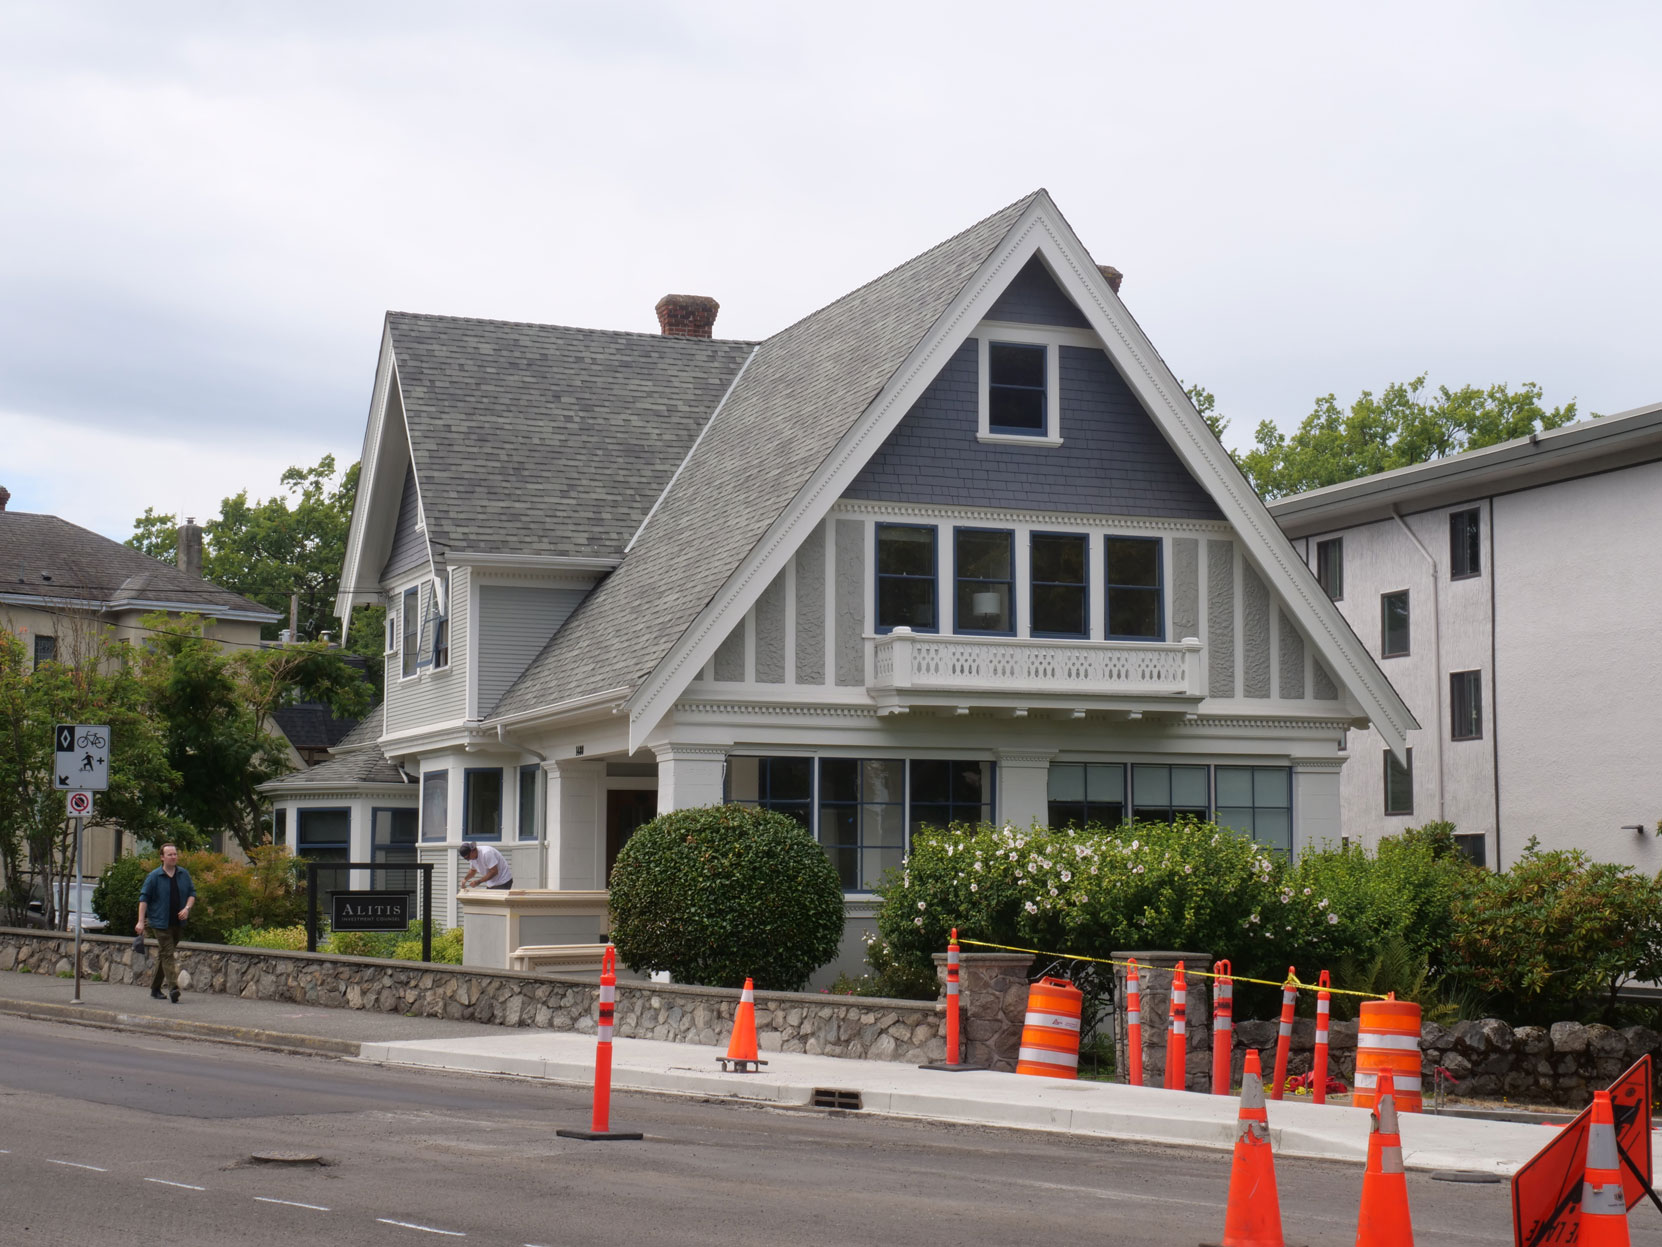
{"x":1034,"y":298}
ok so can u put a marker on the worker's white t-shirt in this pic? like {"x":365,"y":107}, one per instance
{"x":487,"y":861}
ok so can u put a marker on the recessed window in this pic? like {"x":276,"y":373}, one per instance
{"x":1465,"y":544}
{"x":411,"y":611}
{"x":783,"y":785}
{"x":984,"y":563}
{"x":441,"y":626}
{"x":1133,"y":589}
{"x":46,"y":649}
{"x":528,"y":801}
{"x":1465,"y":696}
{"x":1475,"y":846}
{"x":435,"y":805}
{"x":1060,"y":594}
{"x":1017,"y":388}
{"x":482,"y":804}
{"x":862,"y":817}
{"x":905,"y":577}
{"x":392,"y":630}
{"x":1258,"y":801}
{"x":1399,"y":783}
{"x":1083,"y":794}
{"x":942,"y":793}
{"x":1167,"y":793}
{"x":1330,"y":567}
{"x":1393,"y":624}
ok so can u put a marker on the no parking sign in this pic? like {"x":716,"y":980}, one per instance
{"x":80,"y":804}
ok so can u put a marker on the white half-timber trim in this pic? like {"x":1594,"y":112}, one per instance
{"x":1040,"y":231}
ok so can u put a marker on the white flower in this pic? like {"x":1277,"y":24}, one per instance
{"x":1332,"y":919}
{"x":1137,"y":870}
{"x":1067,"y":876}
{"x":921,"y":905}
{"x":1307,"y":891}
{"x":1254,"y":918}
{"x":975,"y":887}
{"x":1188,"y":870}
{"x":1053,"y":891}
{"x":1030,"y":907}
{"x":917,"y":921}
{"x":1133,"y":844}
{"x":1322,"y":904}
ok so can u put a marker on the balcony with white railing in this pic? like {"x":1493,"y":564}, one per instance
{"x":910,"y":668}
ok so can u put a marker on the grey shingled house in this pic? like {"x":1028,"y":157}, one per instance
{"x":954,"y":547}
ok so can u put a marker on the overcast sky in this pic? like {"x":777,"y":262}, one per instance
{"x":206,"y":208}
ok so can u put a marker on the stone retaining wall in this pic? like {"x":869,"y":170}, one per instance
{"x":846,"y":1026}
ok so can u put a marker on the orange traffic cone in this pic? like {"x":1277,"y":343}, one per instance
{"x":741,"y":1049}
{"x":1383,"y":1220}
{"x":1603,"y":1201}
{"x":1253,"y":1217}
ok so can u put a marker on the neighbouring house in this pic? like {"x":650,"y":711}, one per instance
{"x":954,"y":547}
{"x":65,"y":589}
{"x":1511,"y":593}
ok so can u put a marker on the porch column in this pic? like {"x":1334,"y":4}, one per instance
{"x":1316,"y":811}
{"x":689,"y":776}
{"x":576,"y":819}
{"x":1024,"y":786}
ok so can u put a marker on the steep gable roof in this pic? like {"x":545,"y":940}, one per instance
{"x":545,"y":440}
{"x":796,"y":400}
{"x":47,"y":560}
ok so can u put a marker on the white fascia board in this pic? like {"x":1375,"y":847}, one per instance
{"x":531,"y":562}
{"x":205,"y":609}
{"x":1040,"y":230}
{"x":374,"y":486}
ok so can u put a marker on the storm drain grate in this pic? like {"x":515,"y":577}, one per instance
{"x":832,"y":1097}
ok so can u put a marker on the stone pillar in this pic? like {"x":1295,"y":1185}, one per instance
{"x":575,"y":823}
{"x":1024,"y":786}
{"x":689,"y":776}
{"x":1154,"y":971}
{"x":993,"y":1003}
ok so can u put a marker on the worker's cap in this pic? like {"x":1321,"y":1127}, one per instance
{"x":468,"y":848}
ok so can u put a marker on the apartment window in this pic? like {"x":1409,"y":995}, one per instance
{"x":1133,"y":589}
{"x":1258,"y":801}
{"x":411,"y":612}
{"x":528,"y":801}
{"x":783,"y":785}
{"x":1399,"y":783}
{"x":1167,"y":793}
{"x":1017,"y":388}
{"x":943,"y":793}
{"x":1087,"y":793}
{"x":435,"y":805}
{"x":905,"y":577}
{"x":1393,"y":624}
{"x":862,"y":817}
{"x":46,"y":649}
{"x":1060,"y":593}
{"x":1465,"y":544}
{"x":1465,"y":697}
{"x":984,"y":572}
{"x":1475,"y":847}
{"x":1330,"y":567}
{"x":482,"y":803}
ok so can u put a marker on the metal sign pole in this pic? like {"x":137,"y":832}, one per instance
{"x":74,"y":907}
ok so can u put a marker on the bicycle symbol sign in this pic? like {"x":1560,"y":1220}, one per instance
{"x":83,"y":756}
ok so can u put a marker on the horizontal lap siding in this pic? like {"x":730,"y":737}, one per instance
{"x":515,"y":622}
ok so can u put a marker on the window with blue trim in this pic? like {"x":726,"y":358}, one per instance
{"x":1134,"y":590}
{"x":943,"y":793}
{"x":862,"y":817}
{"x":984,"y":562}
{"x":1165,"y":794}
{"x":528,"y":800}
{"x":435,"y":805}
{"x":482,"y":804}
{"x":783,"y":785}
{"x":1258,"y":801}
{"x":1017,"y":388}
{"x":1058,"y":584}
{"x":906,"y":577}
{"x":1083,"y":794}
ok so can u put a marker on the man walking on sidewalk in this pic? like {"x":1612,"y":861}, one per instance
{"x":165,"y":903}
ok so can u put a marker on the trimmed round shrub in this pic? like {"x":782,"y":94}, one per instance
{"x":717,"y":894}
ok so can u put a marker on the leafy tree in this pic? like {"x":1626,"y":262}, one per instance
{"x":1205,"y":402}
{"x":1402,"y":426}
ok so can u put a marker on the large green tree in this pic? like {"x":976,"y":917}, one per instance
{"x":1403,"y":425}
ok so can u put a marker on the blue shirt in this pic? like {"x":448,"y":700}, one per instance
{"x":156,"y":894}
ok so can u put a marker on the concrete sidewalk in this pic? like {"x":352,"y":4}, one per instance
{"x":1104,"y":1110}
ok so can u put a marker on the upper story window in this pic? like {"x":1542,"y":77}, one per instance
{"x":392,"y":629}
{"x":411,"y":614}
{"x":441,"y":625}
{"x":1465,"y":695}
{"x":1393,"y":624}
{"x":1465,"y":544}
{"x":906,"y":577}
{"x":1330,"y":567}
{"x":1060,"y":592}
{"x":1399,"y":783}
{"x":1020,"y":380}
{"x":1135,"y":596}
{"x":985,"y":580}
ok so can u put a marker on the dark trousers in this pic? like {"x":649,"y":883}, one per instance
{"x":167,"y":965}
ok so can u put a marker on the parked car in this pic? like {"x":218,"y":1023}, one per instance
{"x":74,"y":896}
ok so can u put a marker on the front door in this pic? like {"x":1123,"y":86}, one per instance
{"x":626,"y":809}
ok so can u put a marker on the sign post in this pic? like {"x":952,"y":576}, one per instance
{"x":80,"y":805}
{"x":81,"y":767}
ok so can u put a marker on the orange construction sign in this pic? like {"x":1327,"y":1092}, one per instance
{"x":1546,"y":1192}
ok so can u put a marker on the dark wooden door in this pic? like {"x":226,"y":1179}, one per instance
{"x":626,"y":809}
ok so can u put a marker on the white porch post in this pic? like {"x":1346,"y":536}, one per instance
{"x":576,"y":822}
{"x":689,"y":776}
{"x":1024,"y":786}
{"x":1316,"y":817}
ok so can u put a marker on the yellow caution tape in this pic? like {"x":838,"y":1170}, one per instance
{"x":1292,"y":979}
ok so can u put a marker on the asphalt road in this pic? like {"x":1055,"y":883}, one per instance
{"x":121,"y":1138}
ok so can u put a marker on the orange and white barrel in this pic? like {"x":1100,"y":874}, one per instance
{"x":1388,"y":1038}
{"x":1050,"y":1036}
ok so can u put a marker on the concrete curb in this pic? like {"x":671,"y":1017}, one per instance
{"x":183,"y":1028}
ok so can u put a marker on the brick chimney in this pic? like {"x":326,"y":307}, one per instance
{"x":190,"y":547}
{"x":5,"y":497}
{"x":1114,"y":276}
{"x":687,"y":315}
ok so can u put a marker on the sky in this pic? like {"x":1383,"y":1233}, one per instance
{"x":206,"y":208}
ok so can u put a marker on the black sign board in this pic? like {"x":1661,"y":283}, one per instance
{"x":371,"y":911}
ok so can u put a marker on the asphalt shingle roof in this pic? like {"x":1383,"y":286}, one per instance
{"x":311,"y":725}
{"x":544,"y":439}
{"x":365,"y":734}
{"x":362,"y":766}
{"x":801,"y":393}
{"x":42,"y":556}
